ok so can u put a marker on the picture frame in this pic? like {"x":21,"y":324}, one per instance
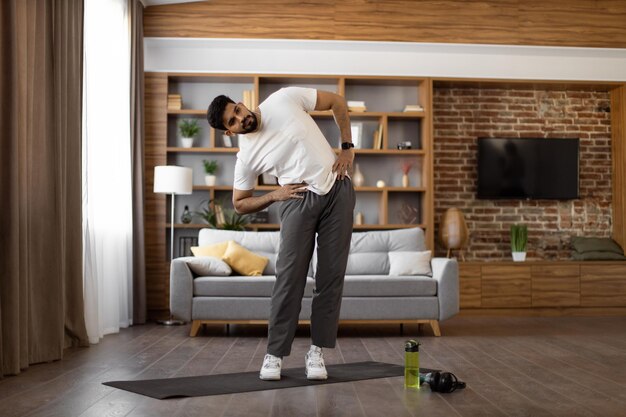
{"x":267,"y":179}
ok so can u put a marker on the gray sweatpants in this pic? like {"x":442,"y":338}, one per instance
{"x":330,"y":216}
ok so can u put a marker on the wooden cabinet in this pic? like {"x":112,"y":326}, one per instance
{"x":604,"y":286}
{"x":558,"y":285}
{"x":505,"y":286}
{"x":555,"y":285}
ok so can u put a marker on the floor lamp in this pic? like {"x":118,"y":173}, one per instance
{"x":173,"y":180}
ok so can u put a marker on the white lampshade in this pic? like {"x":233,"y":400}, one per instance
{"x":171,"y":179}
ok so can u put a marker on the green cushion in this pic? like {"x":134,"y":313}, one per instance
{"x":595,"y":244}
{"x":598,"y":256}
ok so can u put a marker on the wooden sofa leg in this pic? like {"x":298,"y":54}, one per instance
{"x":434,"y":324}
{"x":195,"y":327}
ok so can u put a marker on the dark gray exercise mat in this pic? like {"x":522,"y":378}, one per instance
{"x":195,"y":386}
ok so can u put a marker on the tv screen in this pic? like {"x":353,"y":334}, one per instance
{"x":528,"y":168}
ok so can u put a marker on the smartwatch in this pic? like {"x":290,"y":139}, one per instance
{"x":347,"y":145}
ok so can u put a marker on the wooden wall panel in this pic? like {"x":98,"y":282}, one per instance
{"x":618,"y":143}
{"x":600,"y":23}
{"x":157,"y":265}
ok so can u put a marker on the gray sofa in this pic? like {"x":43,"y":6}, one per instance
{"x":369,"y":295}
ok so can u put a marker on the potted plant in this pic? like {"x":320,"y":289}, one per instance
{"x":188,"y":130}
{"x":519,"y":237}
{"x":220,"y":218}
{"x":210,"y":167}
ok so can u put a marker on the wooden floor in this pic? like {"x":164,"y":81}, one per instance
{"x":512,"y":366}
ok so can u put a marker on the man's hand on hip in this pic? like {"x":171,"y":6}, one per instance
{"x":343,"y":164}
{"x":289,"y":191}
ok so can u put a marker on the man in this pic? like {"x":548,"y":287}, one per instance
{"x":316,"y":196}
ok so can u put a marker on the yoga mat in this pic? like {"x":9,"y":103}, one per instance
{"x":195,"y":386}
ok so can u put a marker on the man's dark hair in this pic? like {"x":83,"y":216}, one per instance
{"x":215,"y":113}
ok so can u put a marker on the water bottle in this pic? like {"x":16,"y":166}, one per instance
{"x":411,"y":364}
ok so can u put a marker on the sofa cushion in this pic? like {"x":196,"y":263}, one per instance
{"x":388,"y":286}
{"x":410,"y":263}
{"x":368,"y":263}
{"x":207,"y":265}
{"x":598,"y":256}
{"x":369,"y":250}
{"x":243,"y":261}
{"x":238,"y":286}
{"x":595,"y":244}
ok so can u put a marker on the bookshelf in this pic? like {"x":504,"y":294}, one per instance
{"x":385,"y":98}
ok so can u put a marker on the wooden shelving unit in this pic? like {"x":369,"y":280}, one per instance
{"x":385,"y":98}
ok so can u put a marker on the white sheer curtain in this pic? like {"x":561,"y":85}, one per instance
{"x":107,"y":198}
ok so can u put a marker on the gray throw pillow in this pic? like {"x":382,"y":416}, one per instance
{"x":208,"y":266}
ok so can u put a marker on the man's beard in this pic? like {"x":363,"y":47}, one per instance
{"x":250,"y":123}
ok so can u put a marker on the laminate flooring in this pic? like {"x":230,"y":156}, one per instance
{"x":513,"y":366}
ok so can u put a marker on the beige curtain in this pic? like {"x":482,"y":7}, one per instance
{"x":137,"y":144}
{"x":41,"y":299}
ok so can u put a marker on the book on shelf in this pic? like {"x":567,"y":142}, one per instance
{"x":378,"y":138}
{"x":413,"y":107}
{"x":174,"y":102}
{"x":356,"y":106}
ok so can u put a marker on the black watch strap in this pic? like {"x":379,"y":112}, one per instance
{"x":347,"y":145}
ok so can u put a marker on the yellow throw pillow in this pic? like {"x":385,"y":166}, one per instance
{"x":242,"y":261}
{"x":217,"y":250}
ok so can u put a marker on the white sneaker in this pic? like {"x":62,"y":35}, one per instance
{"x":314,"y":361}
{"x":270,"y":371}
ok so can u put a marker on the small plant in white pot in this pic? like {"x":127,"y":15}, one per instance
{"x":210,"y":168}
{"x":189,"y":129}
{"x":519,"y":237}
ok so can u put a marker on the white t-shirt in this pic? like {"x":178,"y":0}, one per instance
{"x":289,"y":144}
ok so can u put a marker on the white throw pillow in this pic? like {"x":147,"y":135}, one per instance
{"x":410,"y":263}
{"x":208,"y":266}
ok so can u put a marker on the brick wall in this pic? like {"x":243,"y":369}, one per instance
{"x":463,"y":114}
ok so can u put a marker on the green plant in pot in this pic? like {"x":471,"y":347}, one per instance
{"x":219,"y":218}
{"x":519,"y":238}
{"x":210,"y":168}
{"x":189,"y":129}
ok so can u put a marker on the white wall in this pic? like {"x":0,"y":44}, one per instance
{"x":277,"y":56}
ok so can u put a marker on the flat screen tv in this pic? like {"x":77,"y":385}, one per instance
{"x":527,"y":168}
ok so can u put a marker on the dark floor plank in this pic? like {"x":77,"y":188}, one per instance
{"x":41,"y":396}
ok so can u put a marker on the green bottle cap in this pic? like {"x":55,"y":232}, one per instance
{"x":411,"y":346}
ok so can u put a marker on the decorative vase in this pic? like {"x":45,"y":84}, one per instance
{"x":187,"y":142}
{"x":358,"y":218}
{"x":210,"y":180}
{"x":380,"y":183}
{"x":453,"y":232}
{"x":405,"y":180}
{"x":519,"y":256}
{"x":357,"y":178}
{"x":186,"y":216}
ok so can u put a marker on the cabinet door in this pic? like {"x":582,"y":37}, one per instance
{"x":555,"y":285}
{"x":506,"y":286}
{"x":469,"y":285}
{"x":603,"y":285}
